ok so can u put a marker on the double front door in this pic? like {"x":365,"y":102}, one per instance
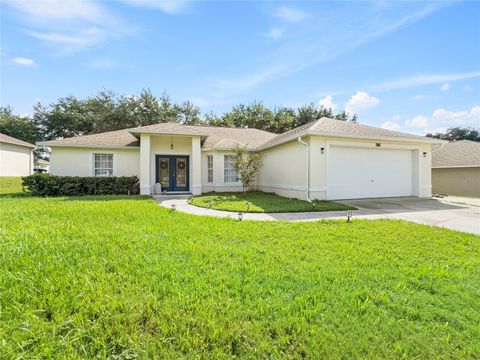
{"x":172,"y":172}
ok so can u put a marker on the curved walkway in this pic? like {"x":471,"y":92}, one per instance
{"x":460,"y":217}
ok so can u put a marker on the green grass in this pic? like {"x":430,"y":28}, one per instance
{"x":121,"y":277}
{"x":10,"y":185}
{"x":262,"y":202}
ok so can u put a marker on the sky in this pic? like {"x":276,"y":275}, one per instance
{"x":407,"y":66}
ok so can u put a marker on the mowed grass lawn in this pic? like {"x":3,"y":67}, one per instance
{"x":260,"y":202}
{"x":120,"y":277}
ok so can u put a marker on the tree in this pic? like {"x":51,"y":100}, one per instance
{"x":458,"y":133}
{"x":247,"y":164}
{"x":17,"y":126}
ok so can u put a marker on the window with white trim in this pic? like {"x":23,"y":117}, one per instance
{"x":210,"y":168}
{"x":103,"y":164}
{"x":229,"y":172}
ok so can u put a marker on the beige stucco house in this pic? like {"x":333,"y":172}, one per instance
{"x":16,"y":156}
{"x":456,"y":169}
{"x":325,"y":159}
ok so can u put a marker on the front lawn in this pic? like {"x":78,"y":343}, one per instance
{"x":10,"y":185}
{"x":262,"y":202}
{"x":121,"y":277}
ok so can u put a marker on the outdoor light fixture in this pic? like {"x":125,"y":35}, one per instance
{"x":174,"y":207}
{"x":171,"y":146}
{"x":349,"y":215}
{"x":322,"y":150}
{"x":240,"y":216}
{"x":171,"y":143}
{"x":248,"y":206}
{"x":378,"y":144}
{"x":424,"y":154}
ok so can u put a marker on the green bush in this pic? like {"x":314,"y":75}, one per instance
{"x":48,"y":185}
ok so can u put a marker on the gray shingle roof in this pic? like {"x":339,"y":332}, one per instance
{"x":11,"y":140}
{"x":332,"y":127}
{"x":169,"y":128}
{"x":110,"y":139}
{"x":457,"y":154}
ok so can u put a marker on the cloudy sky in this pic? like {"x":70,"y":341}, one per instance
{"x":411,"y":66}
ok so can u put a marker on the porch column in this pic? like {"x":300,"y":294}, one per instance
{"x":145,"y":187}
{"x":196,"y":166}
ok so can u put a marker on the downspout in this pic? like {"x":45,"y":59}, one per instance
{"x":307,"y":187}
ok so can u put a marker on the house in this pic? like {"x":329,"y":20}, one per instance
{"x":16,"y":156}
{"x":456,"y":169}
{"x":41,"y":166}
{"x":324,"y":159}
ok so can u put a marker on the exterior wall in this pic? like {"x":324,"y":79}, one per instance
{"x":284,"y":170}
{"x":15,"y":160}
{"x":218,"y":184}
{"x":71,"y":161}
{"x":456,"y":181}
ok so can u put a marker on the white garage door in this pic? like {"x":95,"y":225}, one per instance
{"x":355,"y":173}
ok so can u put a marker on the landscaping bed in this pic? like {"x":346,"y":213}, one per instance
{"x":261,"y":202}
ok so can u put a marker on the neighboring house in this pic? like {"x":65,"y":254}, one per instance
{"x":456,"y":169}
{"x":325,"y":159}
{"x":16,"y":156}
{"x":41,"y":166}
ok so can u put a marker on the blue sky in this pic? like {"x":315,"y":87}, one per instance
{"x":410,"y":66}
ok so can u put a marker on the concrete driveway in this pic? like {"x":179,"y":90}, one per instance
{"x":436,"y":212}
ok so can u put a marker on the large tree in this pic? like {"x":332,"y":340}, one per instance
{"x":458,"y":133}
{"x":20,"y":127}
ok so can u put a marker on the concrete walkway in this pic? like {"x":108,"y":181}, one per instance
{"x":461,"y":217}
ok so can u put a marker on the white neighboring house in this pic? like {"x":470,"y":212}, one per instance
{"x":41,"y":166}
{"x":16,"y":156}
{"x":325,"y":159}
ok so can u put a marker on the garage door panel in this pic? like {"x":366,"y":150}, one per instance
{"x":355,"y":173}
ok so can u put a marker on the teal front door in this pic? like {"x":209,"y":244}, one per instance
{"x":172,"y":172}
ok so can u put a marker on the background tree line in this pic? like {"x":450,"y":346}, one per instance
{"x":107,"y":111}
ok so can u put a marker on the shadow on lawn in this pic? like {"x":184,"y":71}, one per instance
{"x":77,"y":198}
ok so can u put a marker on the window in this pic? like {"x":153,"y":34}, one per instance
{"x":229,"y":172}
{"x":210,"y":168}
{"x":103,"y":164}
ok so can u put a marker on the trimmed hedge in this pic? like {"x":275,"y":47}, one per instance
{"x":48,"y":185}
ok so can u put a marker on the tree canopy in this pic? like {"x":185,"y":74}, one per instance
{"x":458,"y":133}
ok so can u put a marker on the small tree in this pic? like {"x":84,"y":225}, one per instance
{"x":247,"y":164}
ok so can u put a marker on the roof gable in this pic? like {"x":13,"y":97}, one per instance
{"x":11,"y":140}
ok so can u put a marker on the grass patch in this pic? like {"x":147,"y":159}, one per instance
{"x":11,"y":185}
{"x":261,"y":202}
{"x":123,"y":277}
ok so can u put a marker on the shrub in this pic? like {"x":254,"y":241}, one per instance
{"x":48,"y":185}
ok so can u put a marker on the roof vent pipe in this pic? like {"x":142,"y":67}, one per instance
{"x":307,"y":186}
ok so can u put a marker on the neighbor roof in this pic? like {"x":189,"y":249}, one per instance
{"x":11,"y":140}
{"x":462,"y":153}
{"x":337,"y":128}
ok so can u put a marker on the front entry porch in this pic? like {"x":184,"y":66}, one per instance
{"x":172,"y":161}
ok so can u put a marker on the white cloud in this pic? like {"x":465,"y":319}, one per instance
{"x":418,"y":97}
{"x":69,"y":26}
{"x":290,"y":14}
{"x":419,"y":121}
{"x":274,"y":33}
{"x":390,"y":125}
{"x":445,"y":87}
{"x":169,"y":7}
{"x":360,"y":101}
{"x":327,"y":102}
{"x":442,"y":119}
{"x":424,"y":80}
{"x":467,"y":88}
{"x":24,"y":61}
{"x":61,"y":10}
